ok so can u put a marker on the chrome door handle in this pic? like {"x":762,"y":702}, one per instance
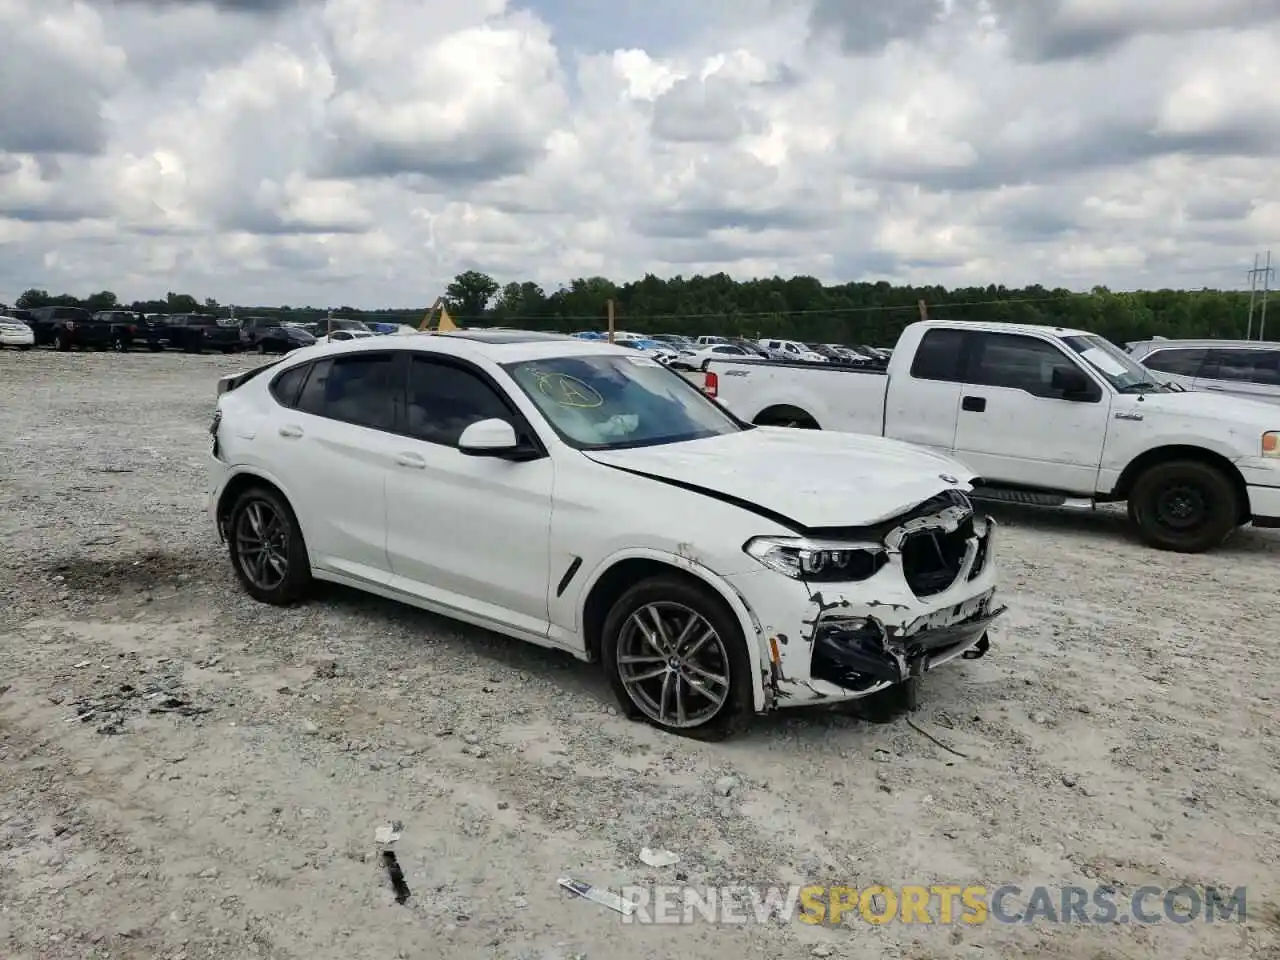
{"x":412,"y":460}
{"x":291,"y":432}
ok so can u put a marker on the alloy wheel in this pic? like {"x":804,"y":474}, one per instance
{"x":673,"y":665}
{"x":262,"y":545}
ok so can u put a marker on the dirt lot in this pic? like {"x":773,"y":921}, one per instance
{"x":1122,"y":732}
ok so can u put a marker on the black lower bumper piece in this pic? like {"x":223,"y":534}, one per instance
{"x":866,"y":656}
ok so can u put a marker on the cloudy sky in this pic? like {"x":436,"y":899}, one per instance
{"x":363,"y":151}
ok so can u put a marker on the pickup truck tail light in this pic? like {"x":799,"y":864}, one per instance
{"x":711,"y":384}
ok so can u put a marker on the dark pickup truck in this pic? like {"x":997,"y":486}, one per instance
{"x":128,"y":330}
{"x":67,"y":327}
{"x":197,"y":332}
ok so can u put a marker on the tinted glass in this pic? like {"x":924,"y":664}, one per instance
{"x":938,"y":356}
{"x":1184,"y":362}
{"x":1019,"y":363}
{"x":1242,"y":366}
{"x":287,"y":386}
{"x":355,"y":390}
{"x":444,"y":400}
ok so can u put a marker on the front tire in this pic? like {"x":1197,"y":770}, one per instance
{"x":676,"y":658}
{"x":267,"y":550}
{"x":1184,"y":505}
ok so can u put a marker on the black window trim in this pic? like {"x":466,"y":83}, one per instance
{"x":962,"y":356}
{"x":522,"y":424}
{"x":306,"y":366}
{"x":969,"y":357}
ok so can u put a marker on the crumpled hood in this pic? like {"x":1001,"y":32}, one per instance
{"x":812,"y":477}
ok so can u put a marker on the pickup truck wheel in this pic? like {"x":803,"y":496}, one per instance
{"x":786,"y":417}
{"x":119,"y":346}
{"x":676,"y":658}
{"x":267,"y":550}
{"x":64,"y":342}
{"x":1184,"y":505}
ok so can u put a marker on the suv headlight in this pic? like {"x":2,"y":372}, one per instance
{"x":1271,"y":443}
{"x":802,"y":559}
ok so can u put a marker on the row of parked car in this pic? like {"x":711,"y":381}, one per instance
{"x":68,"y":328}
{"x":694,"y":353}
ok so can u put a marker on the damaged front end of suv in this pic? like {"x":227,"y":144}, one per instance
{"x":884,"y":603}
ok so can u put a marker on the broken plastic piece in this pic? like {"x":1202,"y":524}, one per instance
{"x":388,"y":832}
{"x":397,"y":876}
{"x":598,"y":895}
{"x":658,"y":858}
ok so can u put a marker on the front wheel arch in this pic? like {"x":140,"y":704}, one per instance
{"x":1148,"y":459}
{"x":614,"y":576}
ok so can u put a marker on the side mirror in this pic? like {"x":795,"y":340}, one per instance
{"x":1071,"y":381}
{"x":489,"y":438}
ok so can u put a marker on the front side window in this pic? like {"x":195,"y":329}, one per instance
{"x":445,"y":399}
{"x":1017,"y":363}
{"x":1184,"y":362}
{"x":359,"y":390}
{"x":1115,"y":366}
{"x":602,"y":402}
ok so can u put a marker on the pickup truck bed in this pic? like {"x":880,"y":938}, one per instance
{"x":1041,"y":415}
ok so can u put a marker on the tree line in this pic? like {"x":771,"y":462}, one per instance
{"x":800,"y":308}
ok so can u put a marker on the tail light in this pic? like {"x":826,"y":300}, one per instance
{"x":711,"y":385}
{"x":133,"y":329}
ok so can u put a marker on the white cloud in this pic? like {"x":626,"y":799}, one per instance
{"x":364,"y":151}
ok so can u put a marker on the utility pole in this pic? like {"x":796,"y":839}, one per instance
{"x":611,"y":321}
{"x":1263,"y":274}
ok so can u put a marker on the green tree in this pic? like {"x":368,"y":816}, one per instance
{"x":469,"y":294}
{"x":30,"y":299}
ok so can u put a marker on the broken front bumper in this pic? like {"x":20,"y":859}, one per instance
{"x":830,"y":642}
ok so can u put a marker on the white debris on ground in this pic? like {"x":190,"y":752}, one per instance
{"x":1121,"y":732}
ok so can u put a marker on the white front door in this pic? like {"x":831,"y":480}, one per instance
{"x":464,"y":531}
{"x":1014,"y":426}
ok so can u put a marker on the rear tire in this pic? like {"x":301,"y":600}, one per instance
{"x":786,"y":417}
{"x":1184,"y":505}
{"x":701,"y":686}
{"x":267,"y":550}
{"x":119,"y":346}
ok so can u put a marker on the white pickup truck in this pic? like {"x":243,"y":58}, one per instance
{"x":1042,"y":415}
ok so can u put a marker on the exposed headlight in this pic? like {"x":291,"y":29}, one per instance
{"x":802,"y":559}
{"x":1271,"y":443}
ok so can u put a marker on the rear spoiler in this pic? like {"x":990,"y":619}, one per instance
{"x":233,"y":381}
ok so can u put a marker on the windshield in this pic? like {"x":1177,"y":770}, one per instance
{"x":1120,"y":369}
{"x":606,"y":402}
{"x":350,"y":325}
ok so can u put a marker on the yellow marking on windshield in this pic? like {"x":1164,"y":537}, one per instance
{"x":567,"y":391}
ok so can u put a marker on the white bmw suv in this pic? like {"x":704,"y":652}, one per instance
{"x":580,"y":496}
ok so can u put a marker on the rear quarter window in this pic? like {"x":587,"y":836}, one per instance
{"x":939,"y":356}
{"x":287,"y":386}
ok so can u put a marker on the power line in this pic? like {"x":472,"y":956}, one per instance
{"x":721,"y":314}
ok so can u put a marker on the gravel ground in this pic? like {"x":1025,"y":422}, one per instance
{"x":1121,"y":732}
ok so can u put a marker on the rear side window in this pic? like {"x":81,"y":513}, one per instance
{"x":1184,"y":362}
{"x":358,"y":389}
{"x":286,"y":387}
{"x":1242,"y":366}
{"x":939,"y":356}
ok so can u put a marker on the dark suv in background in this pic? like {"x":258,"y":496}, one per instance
{"x":67,"y":327}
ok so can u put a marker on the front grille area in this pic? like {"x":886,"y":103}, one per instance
{"x":932,"y":558}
